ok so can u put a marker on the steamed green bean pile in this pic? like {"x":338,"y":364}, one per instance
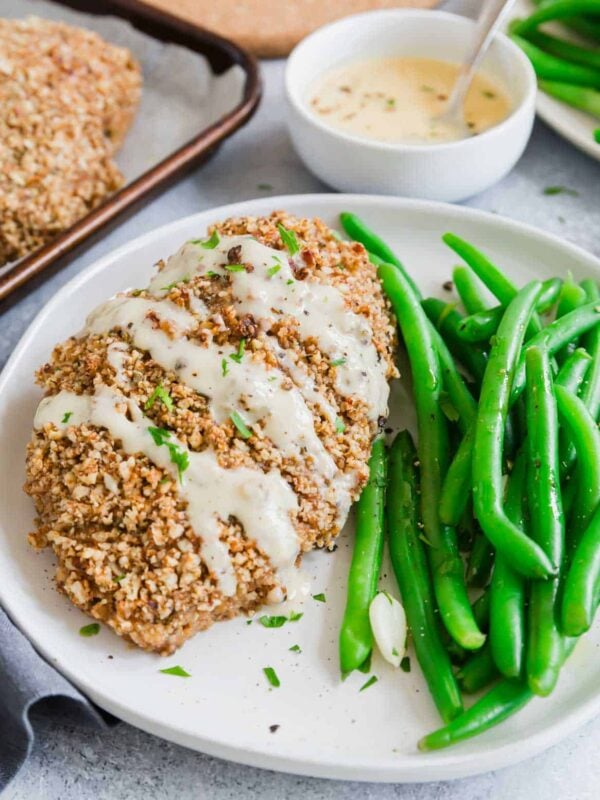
{"x":568,"y":71}
{"x":492,"y":519}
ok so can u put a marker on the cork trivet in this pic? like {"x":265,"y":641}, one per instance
{"x":270,"y":28}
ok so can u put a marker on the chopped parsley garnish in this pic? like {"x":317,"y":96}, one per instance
{"x":160,"y":393}
{"x":273,"y":270}
{"x":119,"y":578}
{"x":370,"y":682}
{"x":239,"y":423}
{"x":248,"y":622}
{"x":561,"y":190}
{"x":289,"y":240}
{"x":237,"y":357}
{"x":289,"y":282}
{"x":67,"y":417}
{"x":210,"y":243}
{"x":136,"y":292}
{"x":264,"y":187}
{"x":295,"y":648}
{"x":271,"y":676}
{"x":93,"y":629}
{"x":170,"y":286}
{"x":224,"y":367}
{"x":178,"y":671}
{"x":320,"y":598}
{"x":390,"y":102}
{"x":272,"y":378}
{"x":339,"y":425}
{"x":296,"y":615}
{"x":211,"y":274}
{"x":337,"y":362}
{"x":235,"y":268}
{"x":179,"y":457}
{"x":405,"y":664}
{"x":272,"y":622}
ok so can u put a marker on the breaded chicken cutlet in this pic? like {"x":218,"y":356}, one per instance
{"x":67,"y":99}
{"x":201,"y":434}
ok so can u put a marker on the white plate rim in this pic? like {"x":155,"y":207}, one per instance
{"x":435,"y":766}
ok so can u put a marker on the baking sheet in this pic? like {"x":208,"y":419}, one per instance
{"x":180,"y":94}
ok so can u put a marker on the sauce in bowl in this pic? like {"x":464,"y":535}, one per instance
{"x":397,"y":100}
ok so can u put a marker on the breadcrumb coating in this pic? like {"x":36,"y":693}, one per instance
{"x":127,"y":554}
{"x":67,"y":99}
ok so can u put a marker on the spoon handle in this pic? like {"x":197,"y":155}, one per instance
{"x":488,"y":22}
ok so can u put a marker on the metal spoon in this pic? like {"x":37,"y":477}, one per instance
{"x":488,"y":22}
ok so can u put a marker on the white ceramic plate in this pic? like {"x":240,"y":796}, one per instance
{"x":572,"y":124}
{"x":326,"y":728}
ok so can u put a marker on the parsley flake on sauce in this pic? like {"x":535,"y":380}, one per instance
{"x":240,"y":424}
{"x":67,"y":417}
{"x":296,"y":615}
{"x":160,"y":393}
{"x":273,"y":270}
{"x":320,"y":598}
{"x":337,"y":362}
{"x":235,"y":268}
{"x":210,"y":243}
{"x":271,"y":676}
{"x":405,"y":664}
{"x":178,"y":671}
{"x":289,"y":240}
{"x":178,"y":455}
{"x":93,"y":629}
{"x":237,"y":357}
{"x":295,"y":648}
{"x":224,"y":367}
{"x":339,"y":425}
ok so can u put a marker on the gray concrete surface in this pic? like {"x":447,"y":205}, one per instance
{"x":71,"y":763}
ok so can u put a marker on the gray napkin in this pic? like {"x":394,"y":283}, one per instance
{"x":26,"y":680}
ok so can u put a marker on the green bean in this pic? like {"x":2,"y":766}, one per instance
{"x":582,"y":581}
{"x":557,"y":335}
{"x":550,"y":68}
{"x":496,"y":281}
{"x":554,"y":337}
{"x":572,"y":375}
{"x":501,"y":702}
{"x":360,"y":232}
{"x":591,"y":341}
{"x":559,"y":9}
{"x":584,"y":26}
{"x":586,"y":437}
{"x":447,"y":566}
{"x":467,"y":288}
{"x":562,"y":49}
{"x":479,"y":565}
{"x":478,"y":671}
{"x":571,"y":296}
{"x":412,"y":573}
{"x":456,"y":488}
{"x":544,"y":647}
{"x":525,"y":556}
{"x":507,"y":591}
{"x":581,"y":97}
{"x":480,"y":327}
{"x":356,"y":637}
{"x":597,"y":135}
{"x":447,"y":321}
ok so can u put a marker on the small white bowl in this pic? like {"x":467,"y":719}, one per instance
{"x":448,"y":171}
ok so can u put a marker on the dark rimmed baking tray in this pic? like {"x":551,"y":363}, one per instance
{"x":221,"y":55}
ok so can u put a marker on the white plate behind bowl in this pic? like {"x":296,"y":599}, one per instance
{"x":570,"y":123}
{"x":327,"y":728}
